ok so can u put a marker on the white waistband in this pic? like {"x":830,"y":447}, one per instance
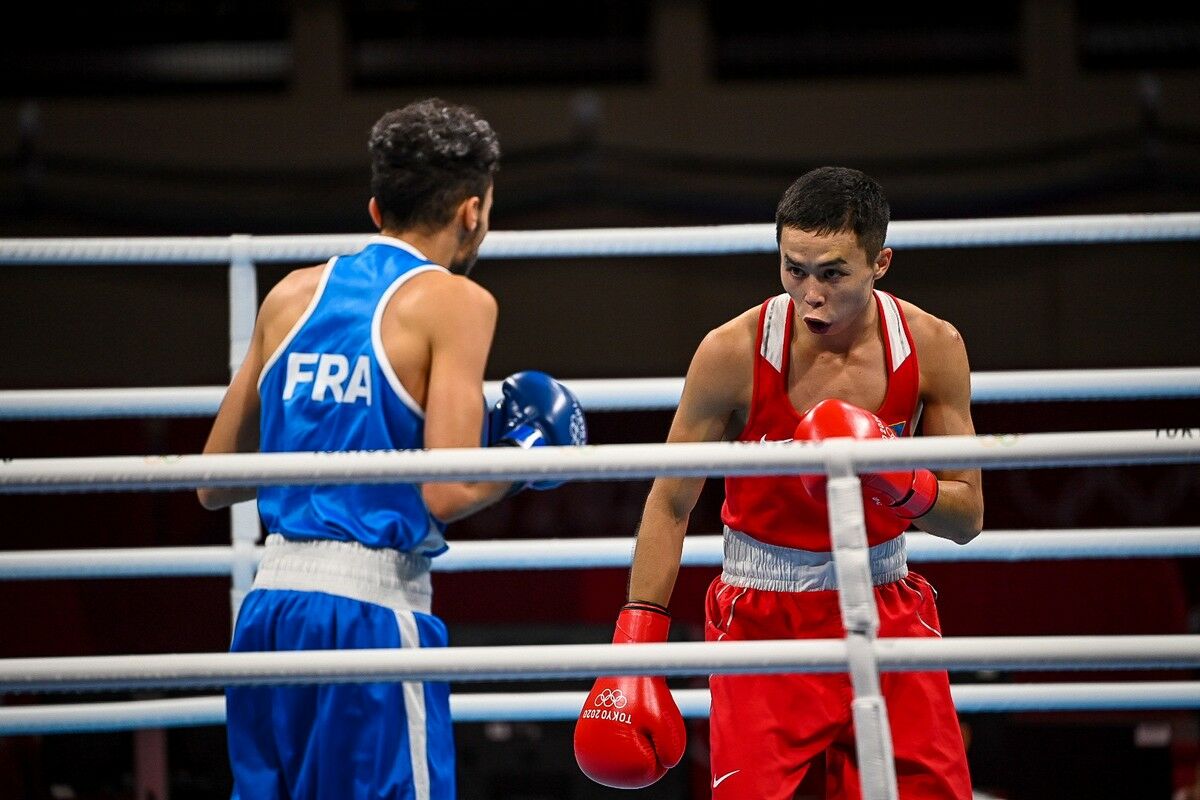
{"x":752,"y":564}
{"x":385,"y":577}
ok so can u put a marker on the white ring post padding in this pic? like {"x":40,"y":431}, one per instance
{"x":617,"y":394}
{"x":564,"y":706}
{"x":852,"y":566}
{"x":592,"y":462}
{"x":243,"y":309}
{"x":699,"y":550}
{"x":548,"y":662}
{"x":681,"y":240}
{"x":860,"y":618}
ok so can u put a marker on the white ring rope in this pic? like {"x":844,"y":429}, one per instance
{"x":615,"y":394}
{"x":564,"y":706}
{"x":243,"y":251}
{"x":861,"y":652}
{"x":594,"y":462}
{"x":546,"y":662}
{"x":699,"y":550}
{"x":682,"y":240}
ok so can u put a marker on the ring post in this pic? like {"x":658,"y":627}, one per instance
{"x":243,"y":308}
{"x":860,"y":617}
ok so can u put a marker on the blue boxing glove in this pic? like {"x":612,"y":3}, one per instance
{"x":536,"y":411}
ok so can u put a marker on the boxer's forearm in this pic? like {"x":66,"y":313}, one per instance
{"x":449,"y":502}
{"x":958,"y":513}
{"x":218,"y":497}
{"x":656,"y":556}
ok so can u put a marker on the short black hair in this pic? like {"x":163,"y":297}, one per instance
{"x":428,"y":157}
{"x":832,"y":199}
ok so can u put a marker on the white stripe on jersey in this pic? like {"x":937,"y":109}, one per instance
{"x":312,"y":306}
{"x":897,"y":342}
{"x":385,"y":366}
{"x":774,"y":328}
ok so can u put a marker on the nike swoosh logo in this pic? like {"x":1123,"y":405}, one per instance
{"x":765,"y":440}
{"x":721,"y":779}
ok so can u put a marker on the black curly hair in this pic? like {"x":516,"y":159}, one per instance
{"x":832,"y":199}
{"x":428,"y":157}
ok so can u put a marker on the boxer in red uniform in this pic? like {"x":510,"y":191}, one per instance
{"x":830,"y":357}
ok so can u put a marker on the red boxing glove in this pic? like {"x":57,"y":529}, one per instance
{"x":909,"y":494}
{"x":630,"y":731}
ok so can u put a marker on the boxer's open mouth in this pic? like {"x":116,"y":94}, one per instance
{"x":816,"y":325}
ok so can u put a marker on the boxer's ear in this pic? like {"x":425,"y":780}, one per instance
{"x":469,"y":212}
{"x":882,"y":261}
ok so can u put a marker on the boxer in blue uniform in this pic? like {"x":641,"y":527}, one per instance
{"x":383,"y":349}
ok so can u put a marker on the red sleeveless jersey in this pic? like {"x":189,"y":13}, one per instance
{"x":778,"y":509}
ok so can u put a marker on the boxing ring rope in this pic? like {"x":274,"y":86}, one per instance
{"x":601,"y":462}
{"x":565,"y":706}
{"x":861,"y":653}
{"x":616,"y":394}
{"x":592,"y":462}
{"x":566,"y":661}
{"x":241,"y":253}
{"x":682,"y":240}
{"x":699,"y":550}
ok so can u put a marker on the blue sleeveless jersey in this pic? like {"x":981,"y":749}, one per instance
{"x":330,"y":387}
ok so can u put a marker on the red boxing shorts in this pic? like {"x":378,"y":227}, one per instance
{"x":771,"y":733}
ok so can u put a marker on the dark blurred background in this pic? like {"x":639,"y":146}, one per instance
{"x":139,"y":118}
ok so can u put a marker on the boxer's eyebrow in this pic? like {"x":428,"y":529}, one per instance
{"x":834,"y":262}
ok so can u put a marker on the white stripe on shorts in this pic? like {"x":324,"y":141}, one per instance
{"x":414,"y":711}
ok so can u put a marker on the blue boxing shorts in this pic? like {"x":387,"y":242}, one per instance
{"x":354,"y":740}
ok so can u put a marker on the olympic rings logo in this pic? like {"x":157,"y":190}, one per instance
{"x":611,"y":698}
{"x":1000,"y":440}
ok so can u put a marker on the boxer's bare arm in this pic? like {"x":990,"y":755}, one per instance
{"x":235,"y":429}
{"x":716,"y":388}
{"x":459,"y":318}
{"x":946,"y":393}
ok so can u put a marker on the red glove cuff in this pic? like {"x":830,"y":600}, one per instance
{"x":642,"y":622}
{"x":920,"y":498}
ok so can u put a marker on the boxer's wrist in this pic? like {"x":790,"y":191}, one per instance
{"x":641,"y":621}
{"x":647,"y":605}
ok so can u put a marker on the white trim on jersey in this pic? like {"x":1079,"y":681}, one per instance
{"x":898,"y":343}
{"x":385,"y":366}
{"x":414,"y":710}
{"x":308,"y":312}
{"x":774,"y":328}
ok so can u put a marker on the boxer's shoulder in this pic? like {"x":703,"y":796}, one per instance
{"x":287,"y":300}
{"x":443,"y":298}
{"x":730,"y":344}
{"x":440,"y":284}
{"x":929,"y":330}
{"x":736,"y":335}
